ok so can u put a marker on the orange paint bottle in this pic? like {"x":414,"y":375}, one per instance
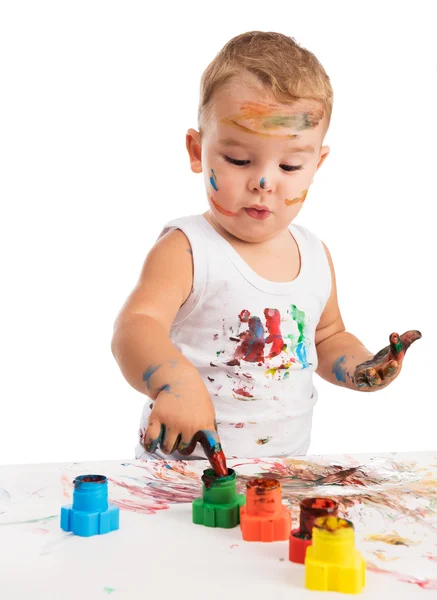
{"x":264,"y":518}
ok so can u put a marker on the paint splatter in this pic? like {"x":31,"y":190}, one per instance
{"x":273,"y":324}
{"x":108,"y":590}
{"x":383,"y":556}
{"x":425,"y":584}
{"x":302,"y":343}
{"x":339,"y":370}
{"x":213,"y":180}
{"x":392,"y":539}
{"x":40,"y":531}
{"x":241,"y":391}
{"x":263,"y":441}
{"x":262,"y":183}
{"x":430,"y":556}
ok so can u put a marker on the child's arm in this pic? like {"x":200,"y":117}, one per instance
{"x":182,"y":412}
{"x":345,"y":361}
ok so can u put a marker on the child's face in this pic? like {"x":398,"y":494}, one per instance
{"x":256,"y":153}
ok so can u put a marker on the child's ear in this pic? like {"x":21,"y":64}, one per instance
{"x":324,"y":151}
{"x":194,"y":147}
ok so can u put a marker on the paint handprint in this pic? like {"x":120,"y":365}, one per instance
{"x":386,"y":365}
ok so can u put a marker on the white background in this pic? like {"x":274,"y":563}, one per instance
{"x":95,"y":101}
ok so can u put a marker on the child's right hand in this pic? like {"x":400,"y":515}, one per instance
{"x":180,"y":418}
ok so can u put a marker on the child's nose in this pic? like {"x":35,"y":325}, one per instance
{"x":262,"y":184}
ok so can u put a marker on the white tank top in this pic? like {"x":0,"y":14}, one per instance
{"x":252,"y":342}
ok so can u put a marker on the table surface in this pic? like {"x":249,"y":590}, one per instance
{"x":391,"y":499}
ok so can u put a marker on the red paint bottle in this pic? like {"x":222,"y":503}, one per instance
{"x":310,"y":509}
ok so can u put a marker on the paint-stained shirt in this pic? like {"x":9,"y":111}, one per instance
{"x":252,"y":341}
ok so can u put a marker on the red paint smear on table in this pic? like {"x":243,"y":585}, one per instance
{"x":425,"y":584}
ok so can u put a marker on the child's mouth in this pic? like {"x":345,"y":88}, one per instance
{"x":257,"y":213}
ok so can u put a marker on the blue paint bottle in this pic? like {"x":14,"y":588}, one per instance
{"x":91,"y":513}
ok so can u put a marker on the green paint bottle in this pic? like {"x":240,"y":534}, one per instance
{"x":220,"y":503}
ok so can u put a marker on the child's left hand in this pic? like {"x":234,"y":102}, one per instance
{"x":386,"y":365}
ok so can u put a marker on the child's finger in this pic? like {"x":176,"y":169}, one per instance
{"x":186,"y":445}
{"x":171,"y":441}
{"x":372,"y":377}
{"x":391,"y":368}
{"x":396,"y":347}
{"x":155,"y":432}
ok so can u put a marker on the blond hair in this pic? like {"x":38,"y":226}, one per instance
{"x":280,"y":64}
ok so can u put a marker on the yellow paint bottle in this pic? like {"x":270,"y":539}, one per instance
{"x":333,"y":563}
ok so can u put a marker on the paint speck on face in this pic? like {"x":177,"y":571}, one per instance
{"x":339,"y":369}
{"x":297,"y":200}
{"x":220,"y":208}
{"x":263,"y":441}
{"x":213,"y":180}
{"x":262,"y":183}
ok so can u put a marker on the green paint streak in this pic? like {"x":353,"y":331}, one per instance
{"x":299,"y":317}
{"x":109,"y":590}
{"x":30,"y":521}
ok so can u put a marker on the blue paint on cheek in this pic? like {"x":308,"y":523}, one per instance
{"x":164,"y":388}
{"x":213,"y":180}
{"x":339,"y":370}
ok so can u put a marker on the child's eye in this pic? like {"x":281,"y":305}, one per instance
{"x":291,"y":167}
{"x":239,"y":163}
{"x":242,"y":163}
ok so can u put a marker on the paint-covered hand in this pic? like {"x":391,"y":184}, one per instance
{"x":179,"y":420}
{"x":386,"y":365}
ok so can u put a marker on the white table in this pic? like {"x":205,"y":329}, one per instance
{"x":158,"y":551}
